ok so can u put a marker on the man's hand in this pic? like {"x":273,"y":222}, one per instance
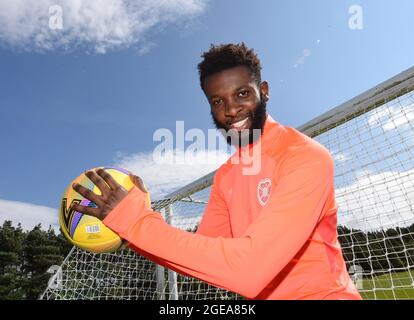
{"x":112,"y":193}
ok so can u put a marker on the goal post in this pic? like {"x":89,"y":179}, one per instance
{"x":370,"y":137}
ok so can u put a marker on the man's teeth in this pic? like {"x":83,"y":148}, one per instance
{"x":240,"y":123}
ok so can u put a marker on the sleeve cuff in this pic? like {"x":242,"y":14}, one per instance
{"x":127,"y":212}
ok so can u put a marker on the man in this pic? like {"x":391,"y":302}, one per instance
{"x":268,"y":235}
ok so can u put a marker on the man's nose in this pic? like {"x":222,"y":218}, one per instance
{"x":232,"y":108}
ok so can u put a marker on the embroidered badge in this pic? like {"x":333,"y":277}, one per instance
{"x":263,"y":191}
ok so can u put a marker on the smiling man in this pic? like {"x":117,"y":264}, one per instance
{"x":231,"y":81}
{"x":269,"y":235}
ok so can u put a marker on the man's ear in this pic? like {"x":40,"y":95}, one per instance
{"x":264,"y":90}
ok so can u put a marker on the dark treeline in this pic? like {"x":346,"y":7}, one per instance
{"x":25,"y":256}
{"x":379,"y":251}
{"x":376,"y":252}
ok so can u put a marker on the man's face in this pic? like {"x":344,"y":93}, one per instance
{"x":237,"y":102}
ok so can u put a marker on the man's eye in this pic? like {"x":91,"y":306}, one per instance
{"x":243,"y":93}
{"x":217,"y":102}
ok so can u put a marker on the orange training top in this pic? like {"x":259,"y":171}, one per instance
{"x":269,"y":235}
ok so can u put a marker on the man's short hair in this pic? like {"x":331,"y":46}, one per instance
{"x":227,"y":56}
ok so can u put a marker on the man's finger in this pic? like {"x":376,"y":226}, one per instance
{"x":95,"y":212}
{"x":138,"y":182}
{"x":108,"y":179}
{"x":98,"y":181}
{"x":87,"y":194}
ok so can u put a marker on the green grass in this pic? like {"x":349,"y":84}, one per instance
{"x":389,"y":286}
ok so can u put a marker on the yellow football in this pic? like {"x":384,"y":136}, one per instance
{"x":84,"y":231}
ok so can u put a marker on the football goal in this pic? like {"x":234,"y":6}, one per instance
{"x":371,"y":138}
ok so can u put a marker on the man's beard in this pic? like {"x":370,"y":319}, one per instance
{"x":258,"y":119}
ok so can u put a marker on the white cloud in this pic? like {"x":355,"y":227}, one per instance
{"x":28,"y":214}
{"x":305,"y":54}
{"x":377,"y":201}
{"x":146,"y":48}
{"x":392,"y":117}
{"x":97,"y":25}
{"x":162,"y":179}
{"x":340,"y":157}
{"x":374,"y":201}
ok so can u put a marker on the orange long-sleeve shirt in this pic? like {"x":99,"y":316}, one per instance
{"x":270,"y":235}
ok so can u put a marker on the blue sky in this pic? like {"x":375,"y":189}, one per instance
{"x":68,"y":107}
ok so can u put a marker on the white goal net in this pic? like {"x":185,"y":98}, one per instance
{"x":371,"y":139}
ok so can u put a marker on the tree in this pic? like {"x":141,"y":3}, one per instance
{"x":41,"y":250}
{"x":11,"y":256}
